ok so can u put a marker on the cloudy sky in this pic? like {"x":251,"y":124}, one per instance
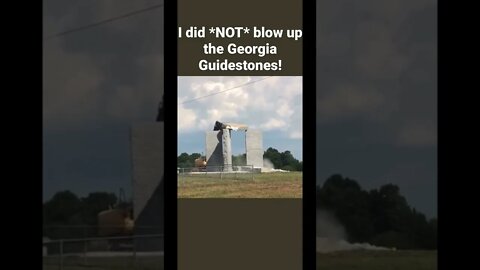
{"x":376,"y":89}
{"x":96,"y":83}
{"x":271,"y":104}
{"x":377,"y":95}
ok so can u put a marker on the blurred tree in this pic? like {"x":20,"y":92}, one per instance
{"x":345,"y":198}
{"x":61,"y":208}
{"x":273,"y":155}
{"x":187,"y":161}
{"x":61,"y":212}
{"x":300,"y":166}
{"x":183,"y":160}
{"x":239,"y":160}
{"x":94,"y":203}
{"x":381,"y":216}
{"x":67,"y":216}
{"x":288,"y":161}
{"x":284,"y":160}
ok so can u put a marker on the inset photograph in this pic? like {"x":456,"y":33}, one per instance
{"x":239,"y":137}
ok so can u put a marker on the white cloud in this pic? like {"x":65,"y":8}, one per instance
{"x":284,"y":109}
{"x":274,"y":124}
{"x":186,"y":118}
{"x":297,"y":134}
{"x":274,"y":103}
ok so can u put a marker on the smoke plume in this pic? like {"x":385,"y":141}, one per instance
{"x":331,"y":236}
{"x":269,"y":167}
{"x":267,"y":164}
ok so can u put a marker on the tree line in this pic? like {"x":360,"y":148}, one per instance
{"x":380,"y":216}
{"x":280,"y":160}
{"x":66,"y":215}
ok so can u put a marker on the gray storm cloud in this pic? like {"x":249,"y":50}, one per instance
{"x":113,"y":72}
{"x":370,"y":65}
{"x":377,"y":94}
{"x":96,"y":83}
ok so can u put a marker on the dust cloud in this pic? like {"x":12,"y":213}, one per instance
{"x":331,"y":236}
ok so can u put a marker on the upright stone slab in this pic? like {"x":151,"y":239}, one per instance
{"x":147,"y":145}
{"x":213,"y":151}
{"x":227,"y":150}
{"x":254,"y":146}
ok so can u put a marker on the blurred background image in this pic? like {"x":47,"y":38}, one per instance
{"x":102,"y":94}
{"x":376,"y":134}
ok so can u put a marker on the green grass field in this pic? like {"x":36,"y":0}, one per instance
{"x":345,"y":260}
{"x":378,"y":260}
{"x":107,"y":263}
{"x":265,"y":185}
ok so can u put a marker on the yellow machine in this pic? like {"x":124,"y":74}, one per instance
{"x":117,"y":220}
{"x":200,"y":164}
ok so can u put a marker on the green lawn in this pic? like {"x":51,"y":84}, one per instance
{"x":264,"y":185}
{"x":345,"y":260}
{"x":112,"y":263}
{"x":378,"y":260}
